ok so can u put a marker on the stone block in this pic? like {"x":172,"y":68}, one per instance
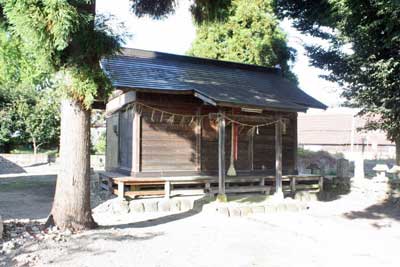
{"x":292,"y":207}
{"x":136,"y":206}
{"x":151,"y":206}
{"x":245,"y":211}
{"x":343,"y":168}
{"x":186,"y":205}
{"x":120,"y":207}
{"x":175,"y":205}
{"x":223,"y":211}
{"x":280,"y":207}
{"x":258,"y":209}
{"x":235,"y":212}
{"x":305,"y":196}
{"x":270,"y":208}
{"x":164,"y":205}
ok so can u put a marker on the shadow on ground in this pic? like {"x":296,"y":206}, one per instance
{"x":154,"y":222}
{"x":78,"y":245}
{"x":390,"y":208}
{"x":197,"y":208}
{"x":27,"y":197}
{"x":9,"y":167}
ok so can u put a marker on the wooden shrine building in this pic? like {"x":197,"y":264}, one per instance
{"x":181,"y":118}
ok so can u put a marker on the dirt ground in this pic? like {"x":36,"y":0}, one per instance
{"x":359,"y":229}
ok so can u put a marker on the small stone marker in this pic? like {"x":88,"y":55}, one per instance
{"x":381,"y":170}
{"x":343,"y":168}
{"x":395,"y":170}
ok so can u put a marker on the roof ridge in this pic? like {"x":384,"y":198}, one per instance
{"x":134,"y":52}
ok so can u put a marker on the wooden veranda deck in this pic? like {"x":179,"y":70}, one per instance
{"x":127,"y":186}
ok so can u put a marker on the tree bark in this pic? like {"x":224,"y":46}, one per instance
{"x":71,"y":207}
{"x":34,"y":146}
{"x":397,"y":142}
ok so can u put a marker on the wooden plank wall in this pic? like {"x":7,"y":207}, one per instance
{"x":209,"y":143}
{"x":180,"y":147}
{"x":289,"y":146}
{"x":112,"y":142}
{"x":165,"y":146}
{"x":125,"y":139}
{"x":264,"y":149}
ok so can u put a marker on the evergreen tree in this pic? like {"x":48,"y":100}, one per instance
{"x":249,"y":33}
{"x":362,"y":56}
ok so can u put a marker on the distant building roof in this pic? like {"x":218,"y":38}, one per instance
{"x":222,"y":83}
{"x":327,"y":128}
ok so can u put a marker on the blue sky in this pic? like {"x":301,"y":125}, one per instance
{"x":175,"y":34}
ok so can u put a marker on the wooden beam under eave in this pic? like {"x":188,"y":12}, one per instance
{"x":278,"y":158}
{"x":120,"y":101}
{"x":221,"y":159}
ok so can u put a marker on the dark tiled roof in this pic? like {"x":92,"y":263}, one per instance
{"x":222,"y":82}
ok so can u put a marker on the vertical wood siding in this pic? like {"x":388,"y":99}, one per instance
{"x":165,"y":146}
{"x":112,"y":142}
{"x":179,"y":147}
{"x":125,"y":139}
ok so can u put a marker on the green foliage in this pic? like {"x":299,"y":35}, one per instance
{"x":369,"y":73}
{"x":65,"y":41}
{"x":100,"y":145}
{"x":40,"y":119}
{"x":30,"y":118}
{"x":202,"y":10}
{"x":249,"y":34}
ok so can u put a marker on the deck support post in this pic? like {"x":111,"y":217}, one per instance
{"x":110,"y":186}
{"x":167,"y":189}
{"x":321,"y":183}
{"x":293,"y":184}
{"x":121,"y":190}
{"x":221,"y":159}
{"x":278,"y":159}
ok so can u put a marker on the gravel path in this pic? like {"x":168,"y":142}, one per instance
{"x":360,"y":229}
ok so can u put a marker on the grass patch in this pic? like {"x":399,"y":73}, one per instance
{"x":28,"y":150}
{"x":23,"y":184}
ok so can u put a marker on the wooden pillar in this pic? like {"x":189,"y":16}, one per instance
{"x":221,"y":159}
{"x":198,"y":139}
{"x":278,"y":158}
{"x":136,"y":123}
{"x":295,"y":145}
{"x":251,"y":150}
{"x":121,"y":191}
{"x":167,"y":189}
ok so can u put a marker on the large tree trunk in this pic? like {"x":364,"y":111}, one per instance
{"x":397,"y":142}
{"x":71,"y":207}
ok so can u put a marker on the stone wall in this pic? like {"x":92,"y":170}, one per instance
{"x":15,"y":163}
